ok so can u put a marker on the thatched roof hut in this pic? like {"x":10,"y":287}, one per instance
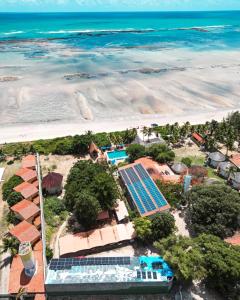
{"x":217,"y":156}
{"x":179,"y":168}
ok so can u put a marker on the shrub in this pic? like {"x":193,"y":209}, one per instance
{"x":9,"y":185}
{"x":135,"y":151}
{"x":187,"y":161}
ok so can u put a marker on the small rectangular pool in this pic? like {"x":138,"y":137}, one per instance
{"x":115,"y":155}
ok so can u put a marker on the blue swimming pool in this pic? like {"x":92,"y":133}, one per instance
{"x":117,"y":155}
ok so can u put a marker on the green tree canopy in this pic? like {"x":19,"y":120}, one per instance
{"x":105,"y":190}
{"x":162,"y":226}
{"x":143,"y":228}
{"x":14,"y":198}
{"x":161,"y":153}
{"x":86,"y":208}
{"x":9,"y":185}
{"x":187,"y":161}
{"x":135,"y":151}
{"x":206,"y":258}
{"x":10,"y":244}
{"x":214,"y":209}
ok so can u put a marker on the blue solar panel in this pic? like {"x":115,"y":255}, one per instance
{"x":142,"y":189}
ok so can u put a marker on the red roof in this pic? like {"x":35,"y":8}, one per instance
{"x":26,"y":189}
{"x":29,"y":162}
{"x":234,"y":240}
{"x":198,"y":137}
{"x":26,"y":209}
{"x":103,"y":215}
{"x":36,"y":200}
{"x":27,"y":174}
{"x":25,"y":232}
{"x":37,"y":221}
{"x":235,"y":159}
{"x":17,"y":279}
{"x":52,"y":180}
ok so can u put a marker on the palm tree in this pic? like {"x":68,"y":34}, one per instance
{"x":10,"y":244}
{"x":229,"y":141}
{"x":149,"y":133}
{"x":144,"y":131}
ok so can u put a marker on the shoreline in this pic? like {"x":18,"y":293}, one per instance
{"x":32,"y":132}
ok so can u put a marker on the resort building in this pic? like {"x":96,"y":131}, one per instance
{"x":215,"y":158}
{"x":235,"y":180}
{"x":52,"y":183}
{"x":121,"y":212}
{"x":29,"y":162}
{"x":33,"y":286}
{"x":144,"y":194}
{"x":94,"y":151}
{"x":235,"y":160}
{"x":179,"y":168}
{"x":105,"y":238}
{"x":158,"y":171}
{"x":27,"y":175}
{"x":147,"y":141}
{"x":28,"y":190}
{"x":26,"y":210}
{"x":25,"y":232}
{"x":224,"y":169}
{"x":71,"y":277}
{"x":197,"y":138}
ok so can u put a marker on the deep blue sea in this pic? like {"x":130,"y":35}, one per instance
{"x":198,"y":30}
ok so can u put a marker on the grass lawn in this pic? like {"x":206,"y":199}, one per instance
{"x":196,"y":160}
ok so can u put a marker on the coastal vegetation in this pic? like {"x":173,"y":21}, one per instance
{"x":214,"y":209}
{"x":8,"y":187}
{"x":150,"y":230}
{"x":205,"y":258}
{"x":90,"y":188}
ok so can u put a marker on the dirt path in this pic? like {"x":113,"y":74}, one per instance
{"x":56,"y":240}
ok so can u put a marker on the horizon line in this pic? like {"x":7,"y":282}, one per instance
{"x":123,"y":11}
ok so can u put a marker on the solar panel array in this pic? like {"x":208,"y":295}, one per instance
{"x":68,"y":263}
{"x":142,"y":189}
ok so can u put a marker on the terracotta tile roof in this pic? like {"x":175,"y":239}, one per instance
{"x":37,"y":221}
{"x":235,"y":159}
{"x":234,"y":240}
{"x":40,"y":297}
{"x":52,"y":180}
{"x":93,"y":148}
{"x":18,"y":278}
{"x":35,"y":183}
{"x":198,"y":137}
{"x":36,"y":200}
{"x":25,"y":232}
{"x":38,"y":246}
{"x":29,"y":162}
{"x":26,"y":189}
{"x":103,"y":215}
{"x":26,"y":209}
{"x":27,"y":174}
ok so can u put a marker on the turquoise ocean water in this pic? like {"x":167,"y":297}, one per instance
{"x":195,"y":30}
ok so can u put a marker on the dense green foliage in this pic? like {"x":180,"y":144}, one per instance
{"x":214,"y":209}
{"x":14,"y":198}
{"x":49,"y":254}
{"x":187,"y":161}
{"x":206,"y":258}
{"x":98,"y":185}
{"x":172,"y":192}
{"x":150,"y":230}
{"x":135,"y":151}
{"x":9,"y":185}
{"x":86,"y":208}
{"x":143,"y":228}
{"x":54,"y":211}
{"x":161,"y":153}
{"x":10,"y":244}
{"x":162,"y":226}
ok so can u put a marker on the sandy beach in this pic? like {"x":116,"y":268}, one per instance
{"x":67,"y":91}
